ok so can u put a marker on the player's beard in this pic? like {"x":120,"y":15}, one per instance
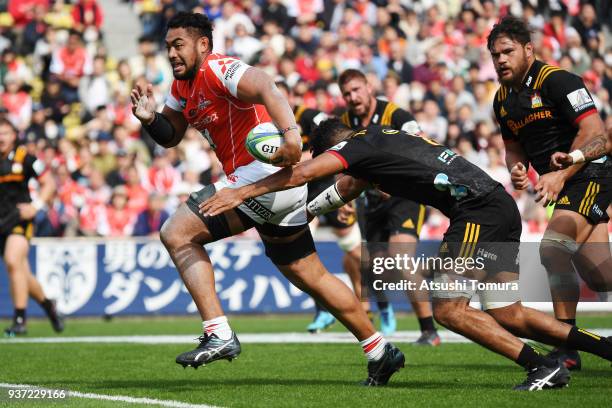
{"x":518,"y":73}
{"x":188,"y":74}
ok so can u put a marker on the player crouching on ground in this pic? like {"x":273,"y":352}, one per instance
{"x":409,"y":166}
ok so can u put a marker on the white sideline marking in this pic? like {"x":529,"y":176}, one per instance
{"x":117,"y":398}
{"x":398,"y":337}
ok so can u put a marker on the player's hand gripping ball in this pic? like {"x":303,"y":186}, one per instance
{"x":263,"y":141}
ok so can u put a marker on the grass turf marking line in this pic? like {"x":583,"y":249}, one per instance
{"x":116,"y":398}
{"x":268,"y":338}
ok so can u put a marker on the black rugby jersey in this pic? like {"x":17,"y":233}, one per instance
{"x":413,"y":167}
{"x":15,"y":171}
{"x":385,"y":114}
{"x":544,"y":114}
{"x":307,"y":119}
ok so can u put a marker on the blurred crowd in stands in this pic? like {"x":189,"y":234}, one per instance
{"x":69,"y":96}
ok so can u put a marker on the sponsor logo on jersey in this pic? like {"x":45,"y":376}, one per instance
{"x":597,"y":210}
{"x":258,"y":209}
{"x":486,"y":254}
{"x":447,"y":156}
{"x":232,"y":178}
{"x":564,"y":201}
{"x":206,"y":120}
{"x":528,"y":82}
{"x":580,"y":99}
{"x":536,"y":101}
{"x":338,"y":146}
{"x":390,"y":131}
{"x":17,"y":168}
{"x":515,"y":126}
{"x":502,"y":112}
{"x":225,"y":63}
{"x":411,"y":127}
{"x":233,"y":68}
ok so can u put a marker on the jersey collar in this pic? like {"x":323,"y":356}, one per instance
{"x":532,"y":73}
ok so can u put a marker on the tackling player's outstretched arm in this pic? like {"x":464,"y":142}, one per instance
{"x":166,"y":128}
{"x":322,"y":166}
{"x":256,"y":86}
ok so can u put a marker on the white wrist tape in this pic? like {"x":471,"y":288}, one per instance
{"x":577,"y":156}
{"x":327,"y":201}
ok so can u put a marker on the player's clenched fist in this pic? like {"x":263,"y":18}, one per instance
{"x":560,"y":160}
{"x":518,"y":175}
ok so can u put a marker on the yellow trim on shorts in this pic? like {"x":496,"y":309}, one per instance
{"x":476,"y":234}
{"x":470,"y":238}
{"x":589,"y":198}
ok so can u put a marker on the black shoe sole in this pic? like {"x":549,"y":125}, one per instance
{"x":197,"y":364}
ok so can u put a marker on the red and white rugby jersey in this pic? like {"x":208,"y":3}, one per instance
{"x":210,"y":104}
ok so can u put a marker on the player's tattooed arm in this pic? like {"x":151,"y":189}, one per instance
{"x":590,"y":144}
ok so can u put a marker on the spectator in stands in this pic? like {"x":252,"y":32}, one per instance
{"x":17,"y":102}
{"x":70,"y":64}
{"x":116,"y":219}
{"x":53,"y":102}
{"x":431,"y":122}
{"x":105,"y":160}
{"x":136,"y":192}
{"x":95,"y":89}
{"x":14,"y":66}
{"x":150,"y":220}
{"x":87,"y":16}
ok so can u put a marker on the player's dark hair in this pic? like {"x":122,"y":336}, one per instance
{"x":194,"y":22}
{"x":349,"y":75}
{"x":512,"y":27}
{"x":329,"y":133}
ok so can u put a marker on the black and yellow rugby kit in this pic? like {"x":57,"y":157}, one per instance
{"x":543,"y":116}
{"x":395,"y":215}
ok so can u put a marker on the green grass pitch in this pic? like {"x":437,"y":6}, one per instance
{"x":281,"y":375}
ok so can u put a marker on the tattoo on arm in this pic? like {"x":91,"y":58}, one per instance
{"x":595,"y":148}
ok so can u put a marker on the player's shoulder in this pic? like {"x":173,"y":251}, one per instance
{"x":221,"y":65}
{"x":552,"y":76}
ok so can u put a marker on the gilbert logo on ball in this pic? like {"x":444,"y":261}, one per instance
{"x":263,"y":141}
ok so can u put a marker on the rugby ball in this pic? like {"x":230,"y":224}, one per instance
{"x":263,"y":141}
